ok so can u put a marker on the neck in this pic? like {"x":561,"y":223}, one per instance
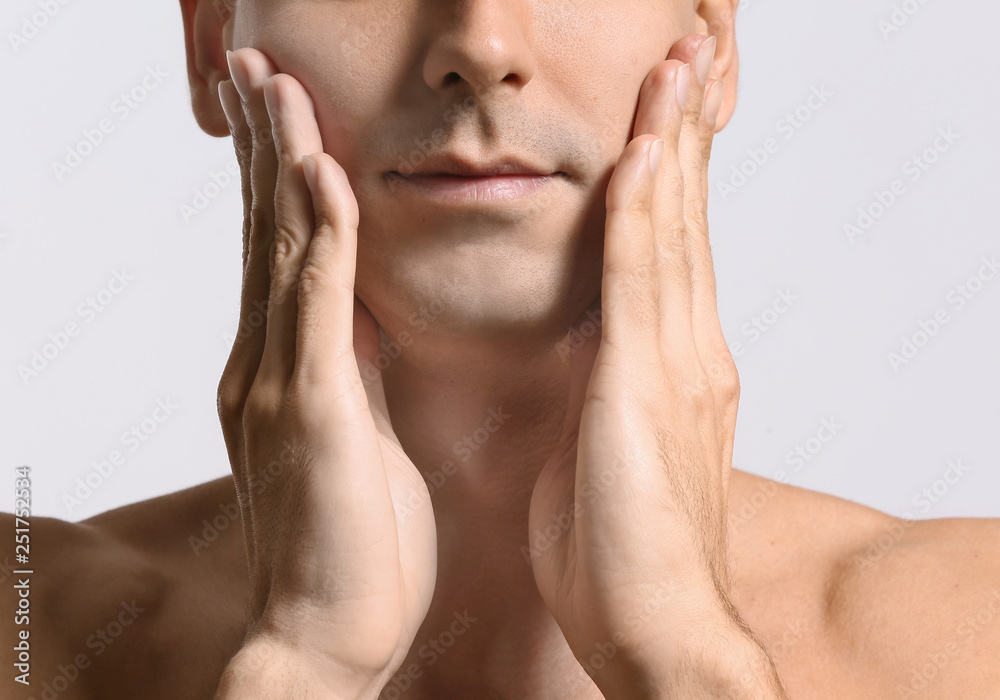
{"x":479,"y":420}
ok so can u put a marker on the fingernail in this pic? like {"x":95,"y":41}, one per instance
{"x":240,"y":77}
{"x":655,"y":155}
{"x":703,"y":62}
{"x":713,"y":101}
{"x":309,"y":170}
{"x":270,"y":99}
{"x":230,"y":101}
{"x":683,"y":80}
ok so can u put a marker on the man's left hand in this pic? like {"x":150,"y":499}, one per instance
{"x":628,"y":517}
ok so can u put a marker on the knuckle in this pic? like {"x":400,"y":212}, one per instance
{"x":286,"y":159}
{"x":244,"y":152}
{"x":727,"y":379}
{"x":631,"y":210}
{"x":692,"y":120}
{"x":263,"y":404}
{"x":698,"y":218}
{"x":315,"y":277}
{"x":287,"y":246}
{"x":228,"y":397}
{"x":230,"y":400}
{"x":671,"y":241}
{"x":642,"y":275}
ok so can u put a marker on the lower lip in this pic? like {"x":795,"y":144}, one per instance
{"x":455,"y":189}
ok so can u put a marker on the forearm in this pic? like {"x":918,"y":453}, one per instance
{"x":262,"y":671}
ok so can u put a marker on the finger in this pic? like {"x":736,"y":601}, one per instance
{"x":695,"y":149}
{"x":718,"y":368}
{"x":661,"y":112}
{"x":232,"y":107}
{"x":243,"y":361}
{"x":630,"y":315}
{"x":686,"y":48}
{"x":249,"y":341}
{"x":705,"y":101}
{"x":325,"y":342}
{"x":255,"y":157}
{"x":248,"y":67}
{"x":293,"y":122}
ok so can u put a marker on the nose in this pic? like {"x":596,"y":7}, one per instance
{"x":483,"y":44}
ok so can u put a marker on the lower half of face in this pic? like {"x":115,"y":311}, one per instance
{"x":519,"y":267}
{"x":408,"y":92}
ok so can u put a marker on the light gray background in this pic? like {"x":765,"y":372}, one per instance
{"x":165,"y":336}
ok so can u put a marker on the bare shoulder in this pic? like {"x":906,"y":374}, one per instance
{"x":113,"y":599}
{"x":873,"y":605}
{"x":923,"y":598}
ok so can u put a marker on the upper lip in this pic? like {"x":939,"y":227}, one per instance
{"x":448,"y":164}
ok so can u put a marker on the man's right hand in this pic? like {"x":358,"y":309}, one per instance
{"x":340,"y":583}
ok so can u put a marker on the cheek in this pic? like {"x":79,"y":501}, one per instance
{"x":334,"y":56}
{"x":602,"y":60}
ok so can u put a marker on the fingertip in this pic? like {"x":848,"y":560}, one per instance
{"x":713,"y":101}
{"x":232,"y":107}
{"x":655,"y":156}
{"x":630,"y":178}
{"x":309,"y":170}
{"x":270,"y":99}
{"x":255,"y":60}
{"x":292,"y":92}
{"x":332,"y":191}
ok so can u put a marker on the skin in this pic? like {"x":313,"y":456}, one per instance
{"x":709,"y":581}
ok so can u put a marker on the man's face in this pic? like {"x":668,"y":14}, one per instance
{"x":552,"y":83}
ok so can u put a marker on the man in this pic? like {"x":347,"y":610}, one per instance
{"x":503,"y":469}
